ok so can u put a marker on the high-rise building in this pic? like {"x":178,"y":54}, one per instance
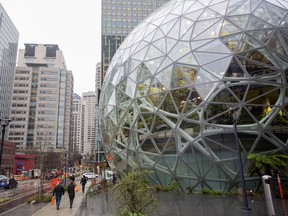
{"x":9,"y":37}
{"x":89,"y":112}
{"x":68,"y":114}
{"x":98,"y":80}
{"x":119,"y":17}
{"x":77,"y":124}
{"x":42,"y":98}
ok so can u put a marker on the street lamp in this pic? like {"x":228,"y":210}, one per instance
{"x":4,"y":124}
{"x":235,"y":117}
{"x":65,"y":170}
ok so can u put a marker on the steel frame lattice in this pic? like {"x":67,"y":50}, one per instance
{"x":171,"y":89}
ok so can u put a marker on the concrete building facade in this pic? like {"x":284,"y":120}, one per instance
{"x":42,"y":99}
{"x":89,"y":113}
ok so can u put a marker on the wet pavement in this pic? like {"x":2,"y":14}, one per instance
{"x":23,"y":210}
{"x":170,"y":204}
{"x":181,"y":204}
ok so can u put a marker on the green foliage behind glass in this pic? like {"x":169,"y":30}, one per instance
{"x":265,"y":164}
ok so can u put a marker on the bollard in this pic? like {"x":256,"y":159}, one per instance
{"x":267,"y":185}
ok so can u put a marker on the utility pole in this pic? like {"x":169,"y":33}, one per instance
{"x":4,"y":123}
{"x":245,"y":202}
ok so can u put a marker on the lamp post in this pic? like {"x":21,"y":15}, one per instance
{"x":65,"y":175}
{"x":4,"y":124}
{"x":235,"y":117}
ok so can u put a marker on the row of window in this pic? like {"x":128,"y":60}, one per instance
{"x":22,"y":72}
{"x":20,"y":92}
{"x":16,"y":139}
{"x":8,"y":161}
{"x":47,"y":99}
{"x":20,"y":98}
{"x":17,"y":126}
{"x":48,"y":92}
{"x":18,"y":112}
{"x":21,"y":85}
{"x":19,"y":105}
{"x":22,"y":78}
{"x":16,"y":134}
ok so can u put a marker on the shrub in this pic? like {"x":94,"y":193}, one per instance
{"x":125,"y":212}
{"x":206,"y":191}
{"x":158,"y":188}
{"x":5,"y":199}
{"x":232,"y":193}
{"x":217,"y":192}
{"x":43,"y":199}
{"x":172,"y":186}
{"x":134,"y":194}
{"x":190,"y":189}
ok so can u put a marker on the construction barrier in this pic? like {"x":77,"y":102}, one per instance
{"x":18,"y":177}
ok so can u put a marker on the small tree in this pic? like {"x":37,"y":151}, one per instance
{"x":266,"y":164}
{"x":134,"y":194}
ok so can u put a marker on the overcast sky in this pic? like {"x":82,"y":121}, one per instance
{"x":72,"y":24}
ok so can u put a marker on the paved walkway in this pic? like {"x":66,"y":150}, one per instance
{"x":42,"y":209}
{"x":64,"y":208}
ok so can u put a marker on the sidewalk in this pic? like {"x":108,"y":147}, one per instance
{"x":64,"y":209}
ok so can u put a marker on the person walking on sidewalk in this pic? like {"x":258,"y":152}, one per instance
{"x":71,"y":192}
{"x":83,"y":182}
{"x":58,"y":191}
{"x":72,"y":178}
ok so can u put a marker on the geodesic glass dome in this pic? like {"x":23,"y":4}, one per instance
{"x":183,"y":75}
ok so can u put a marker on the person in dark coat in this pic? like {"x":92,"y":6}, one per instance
{"x":83,"y":182}
{"x":71,"y":192}
{"x":114,"y":179}
{"x":58,"y":191}
{"x":72,"y":178}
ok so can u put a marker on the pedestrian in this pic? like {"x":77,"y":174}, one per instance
{"x":71,"y":192}
{"x":83,"y":182}
{"x":72,"y":178}
{"x":58,"y":191}
{"x":114,"y":179}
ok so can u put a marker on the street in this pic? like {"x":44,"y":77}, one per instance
{"x":25,"y":189}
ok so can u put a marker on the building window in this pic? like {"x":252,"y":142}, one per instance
{"x":51,"y":51}
{"x":30,"y":50}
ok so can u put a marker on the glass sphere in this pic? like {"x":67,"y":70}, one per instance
{"x":185,"y":78}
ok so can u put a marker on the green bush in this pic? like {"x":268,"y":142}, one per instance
{"x":5,"y":199}
{"x":232,"y":193}
{"x":158,"y":188}
{"x":172,"y":186}
{"x":217,"y":192}
{"x":126,"y":212}
{"x":206,"y":191}
{"x":190,"y":189}
{"x":134,"y":195}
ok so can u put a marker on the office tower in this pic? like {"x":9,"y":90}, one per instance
{"x":119,"y":17}
{"x":77,"y":124}
{"x":68,"y":114}
{"x":98,"y":79}
{"x":88,"y":113}
{"x":42,"y":98}
{"x":9,"y":37}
